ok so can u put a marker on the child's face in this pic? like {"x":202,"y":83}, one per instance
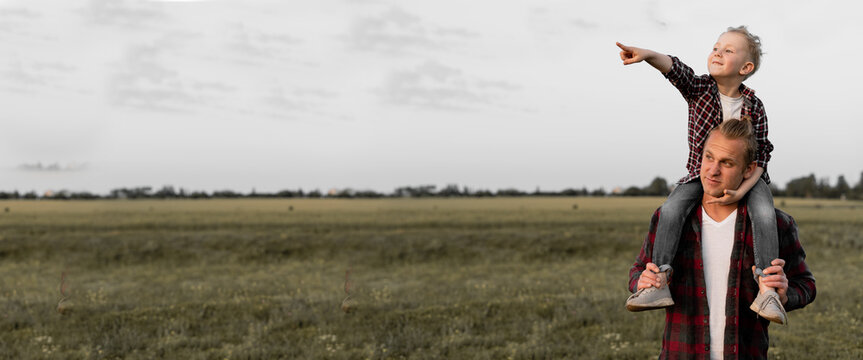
{"x":730,"y":56}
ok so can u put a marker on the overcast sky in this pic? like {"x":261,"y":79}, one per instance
{"x":367,"y":94}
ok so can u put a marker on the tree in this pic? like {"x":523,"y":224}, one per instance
{"x":842,"y":188}
{"x":165,"y":192}
{"x":802,"y":187}
{"x":510,"y":192}
{"x":858,"y":189}
{"x":419,"y":191}
{"x":657,"y":187}
{"x":633,"y":191}
{"x":450,"y":191}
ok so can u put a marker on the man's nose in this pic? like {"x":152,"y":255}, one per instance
{"x":713,"y":169}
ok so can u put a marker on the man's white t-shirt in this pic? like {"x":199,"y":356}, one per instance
{"x":731,"y":107}
{"x":717,"y":242}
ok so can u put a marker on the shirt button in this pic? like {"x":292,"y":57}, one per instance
{"x":734,"y":349}
{"x":702,"y":292}
{"x":705,"y":321}
{"x":706,"y":347}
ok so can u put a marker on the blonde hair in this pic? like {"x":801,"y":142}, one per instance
{"x":740,"y":129}
{"x":754,"y":47}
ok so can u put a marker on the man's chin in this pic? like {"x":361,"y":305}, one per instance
{"x":714,"y":192}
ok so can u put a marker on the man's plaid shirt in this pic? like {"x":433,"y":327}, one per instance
{"x":705,"y":113}
{"x":687,"y":322}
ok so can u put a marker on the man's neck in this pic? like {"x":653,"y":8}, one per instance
{"x":717,"y":212}
{"x":729,"y":86}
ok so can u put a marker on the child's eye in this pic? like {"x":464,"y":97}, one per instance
{"x":728,"y":51}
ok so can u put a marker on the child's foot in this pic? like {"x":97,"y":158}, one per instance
{"x":768,"y":306}
{"x":651,"y":298}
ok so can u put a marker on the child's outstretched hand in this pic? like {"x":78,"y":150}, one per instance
{"x":730,"y":197}
{"x":632,"y":55}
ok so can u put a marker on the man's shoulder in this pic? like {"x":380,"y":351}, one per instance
{"x":783,"y":220}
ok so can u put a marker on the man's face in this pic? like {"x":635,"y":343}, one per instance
{"x":723,"y":164}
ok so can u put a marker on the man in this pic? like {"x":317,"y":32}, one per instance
{"x":713,"y":282}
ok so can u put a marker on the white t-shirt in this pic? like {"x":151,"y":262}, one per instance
{"x":731,"y":107}
{"x":717,"y":242}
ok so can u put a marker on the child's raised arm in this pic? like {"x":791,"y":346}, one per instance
{"x":632,"y":55}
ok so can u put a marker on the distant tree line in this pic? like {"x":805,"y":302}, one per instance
{"x":802,"y":187}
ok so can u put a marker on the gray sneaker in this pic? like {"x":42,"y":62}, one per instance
{"x":650,"y":298}
{"x":768,"y":306}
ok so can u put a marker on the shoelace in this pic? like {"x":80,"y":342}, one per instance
{"x":774,"y":298}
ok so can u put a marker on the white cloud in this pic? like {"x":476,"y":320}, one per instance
{"x":437,"y":86}
{"x":396,"y":31}
{"x":124,"y":13}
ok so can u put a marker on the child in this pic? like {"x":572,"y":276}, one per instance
{"x":713,"y":99}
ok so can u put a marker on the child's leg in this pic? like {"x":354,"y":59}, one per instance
{"x":765,"y":248}
{"x":765,"y":240}
{"x":671,"y":220}
{"x":671,"y":217}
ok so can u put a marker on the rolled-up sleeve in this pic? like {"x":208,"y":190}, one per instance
{"x":685,"y":80}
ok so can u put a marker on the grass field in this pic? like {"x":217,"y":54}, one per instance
{"x":519,"y":278}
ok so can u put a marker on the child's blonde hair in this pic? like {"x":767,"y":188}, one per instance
{"x":754,"y":49}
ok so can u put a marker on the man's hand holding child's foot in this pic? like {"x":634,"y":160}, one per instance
{"x":653,"y":292}
{"x":772,"y":293}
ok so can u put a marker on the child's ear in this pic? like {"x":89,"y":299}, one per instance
{"x":747,"y":68}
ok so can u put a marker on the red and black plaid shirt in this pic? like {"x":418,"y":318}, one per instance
{"x":687,"y":322}
{"x":705,"y":113}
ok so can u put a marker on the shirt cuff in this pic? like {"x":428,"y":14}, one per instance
{"x":676,"y":70}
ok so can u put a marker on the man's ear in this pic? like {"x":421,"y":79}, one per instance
{"x":749,"y":170}
{"x":747,"y":68}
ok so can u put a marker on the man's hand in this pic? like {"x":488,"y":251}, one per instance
{"x":776,"y":279}
{"x":632,"y":55}
{"x":649,"y":277}
{"x":730,"y":197}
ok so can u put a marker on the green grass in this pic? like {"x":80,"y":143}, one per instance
{"x":518,"y":278}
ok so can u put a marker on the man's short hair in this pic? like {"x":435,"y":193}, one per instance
{"x":754,"y":46}
{"x":740,"y":129}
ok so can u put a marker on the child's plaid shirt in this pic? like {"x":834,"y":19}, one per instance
{"x":705,"y":113}
{"x":687,"y":321}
